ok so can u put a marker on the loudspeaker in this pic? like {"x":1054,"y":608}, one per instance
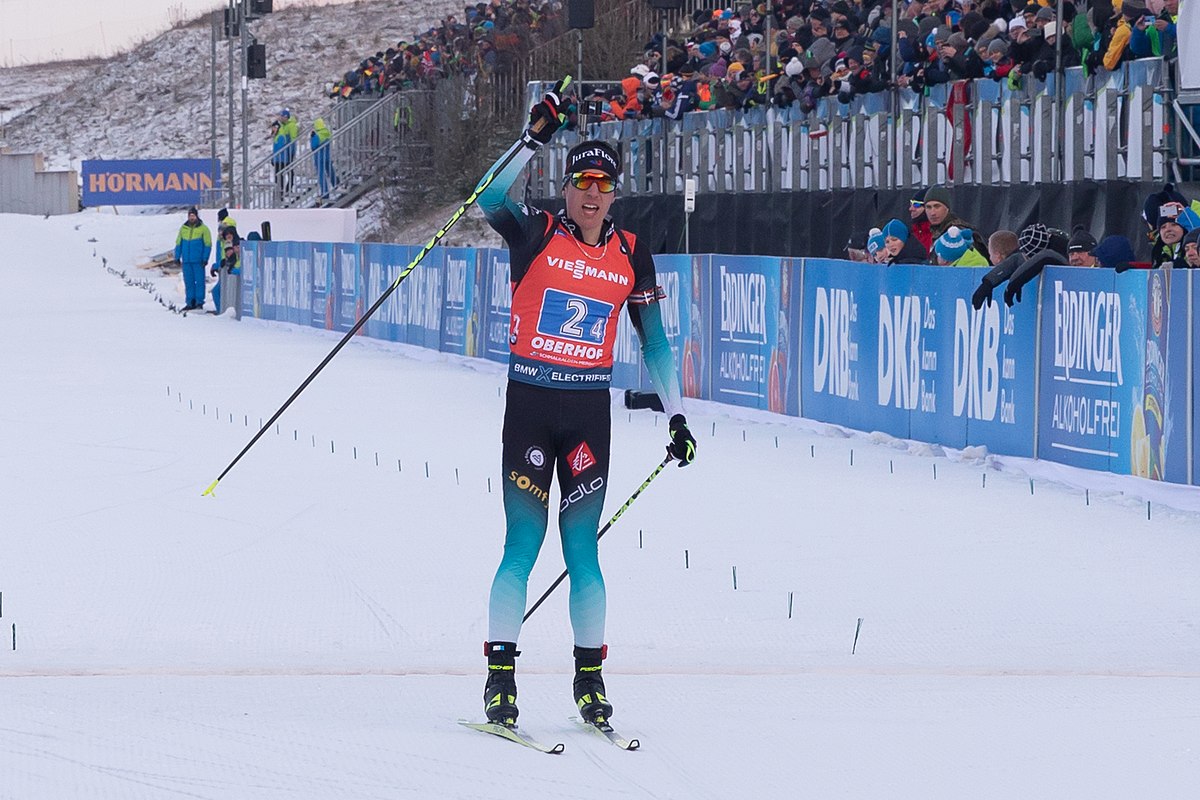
{"x":256,"y":61}
{"x":581,"y":13}
{"x":260,"y":7}
{"x":666,"y":5}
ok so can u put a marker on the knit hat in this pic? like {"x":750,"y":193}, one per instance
{"x":1045,"y":13}
{"x":222,"y":214}
{"x":998,"y":46}
{"x":1033,"y":239}
{"x":919,"y":195}
{"x":1113,"y":251}
{"x":875,"y":241}
{"x":953,"y":244}
{"x":794,"y":68}
{"x":938,"y":194}
{"x":1081,"y":241}
{"x":895,"y":229}
{"x":1188,"y":219}
{"x":1193,"y":236}
{"x":1016,"y":22}
{"x":594,"y":155}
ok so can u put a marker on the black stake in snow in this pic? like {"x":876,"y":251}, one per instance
{"x":601,"y":533}
{"x":857,"y":628}
{"x":417,"y":259}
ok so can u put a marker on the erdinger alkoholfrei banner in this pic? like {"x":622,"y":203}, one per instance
{"x":1112,"y":395}
{"x":749,"y":331}
{"x":147,"y":182}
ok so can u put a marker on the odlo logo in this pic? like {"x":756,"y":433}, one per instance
{"x":581,"y":458}
{"x":526,"y":485}
{"x":581,"y":491}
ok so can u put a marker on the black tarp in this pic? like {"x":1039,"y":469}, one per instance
{"x":819,"y":224}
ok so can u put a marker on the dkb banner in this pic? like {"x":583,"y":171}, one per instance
{"x":322,"y":283}
{"x":1110,"y":399}
{"x":347,"y":299}
{"x":900,"y":350}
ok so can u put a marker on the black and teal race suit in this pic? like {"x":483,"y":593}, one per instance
{"x":557,"y":420}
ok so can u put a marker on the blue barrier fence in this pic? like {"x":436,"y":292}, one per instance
{"x":1093,"y":369}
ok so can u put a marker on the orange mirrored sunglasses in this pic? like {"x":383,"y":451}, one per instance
{"x":584,"y":180}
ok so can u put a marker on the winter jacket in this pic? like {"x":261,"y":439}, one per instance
{"x":193,"y":245}
{"x":913,"y":252}
{"x":279,"y":146}
{"x":972,"y":258}
{"x":1153,"y":42}
{"x":1117,"y":46}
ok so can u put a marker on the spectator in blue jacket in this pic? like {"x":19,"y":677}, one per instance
{"x":322,"y":157}
{"x":279,"y":154}
{"x":1153,"y":36}
{"x":193,"y":246}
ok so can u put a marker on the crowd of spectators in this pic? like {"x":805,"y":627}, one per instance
{"x":791,"y":51}
{"x":934,"y":234}
{"x":488,"y":36}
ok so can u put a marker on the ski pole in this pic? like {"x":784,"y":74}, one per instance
{"x":599,"y":535}
{"x":437,"y":237}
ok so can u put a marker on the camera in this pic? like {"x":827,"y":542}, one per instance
{"x":592,"y":108}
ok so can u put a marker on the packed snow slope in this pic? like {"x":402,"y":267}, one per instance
{"x":314,"y":630}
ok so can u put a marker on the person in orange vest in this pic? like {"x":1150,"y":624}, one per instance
{"x":572,"y":272}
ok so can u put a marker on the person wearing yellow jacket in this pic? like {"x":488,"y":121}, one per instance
{"x":193,"y":246}
{"x":956,"y":248}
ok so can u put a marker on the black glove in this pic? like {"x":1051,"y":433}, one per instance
{"x":1122,"y":266}
{"x":683,"y":444}
{"x":1012,"y":294}
{"x":982,"y":295}
{"x":547,"y":116}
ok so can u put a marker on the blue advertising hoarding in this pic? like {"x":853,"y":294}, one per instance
{"x":460,"y":305}
{"x":148,"y":182}
{"x":499,"y":305}
{"x":895,"y":349}
{"x":1114,"y":382}
{"x":322,"y":286}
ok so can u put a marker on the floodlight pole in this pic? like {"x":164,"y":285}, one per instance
{"x":245,"y":132}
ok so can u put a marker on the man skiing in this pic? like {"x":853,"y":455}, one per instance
{"x":571,"y":274}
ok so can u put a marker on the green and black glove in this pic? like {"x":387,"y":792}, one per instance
{"x":683,"y":445}
{"x":547,"y":116}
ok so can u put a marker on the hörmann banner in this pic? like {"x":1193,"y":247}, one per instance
{"x":149,"y":182}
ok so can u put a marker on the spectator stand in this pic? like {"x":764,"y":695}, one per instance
{"x":1114,"y":130}
{"x":1186,"y":104}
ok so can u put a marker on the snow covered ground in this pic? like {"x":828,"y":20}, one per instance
{"x":314,"y":631}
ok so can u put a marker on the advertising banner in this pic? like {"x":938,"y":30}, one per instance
{"x":148,"y":182}
{"x":460,"y":307}
{"x":381,"y":264}
{"x":251,"y":260}
{"x":421,"y":298}
{"x":499,"y":305}
{"x":345,"y":286}
{"x":744,"y":337}
{"x":1093,"y":324}
{"x":783,"y":380}
{"x":696,"y":356}
{"x":322,"y":283}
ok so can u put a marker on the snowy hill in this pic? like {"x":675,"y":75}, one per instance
{"x":154,"y":102}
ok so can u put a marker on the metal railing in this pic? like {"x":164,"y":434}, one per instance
{"x":1113,"y":129}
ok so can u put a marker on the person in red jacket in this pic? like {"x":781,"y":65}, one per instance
{"x":920,"y":223}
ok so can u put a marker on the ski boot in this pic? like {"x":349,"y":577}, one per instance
{"x":589,"y":684}
{"x":500,"y":691}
